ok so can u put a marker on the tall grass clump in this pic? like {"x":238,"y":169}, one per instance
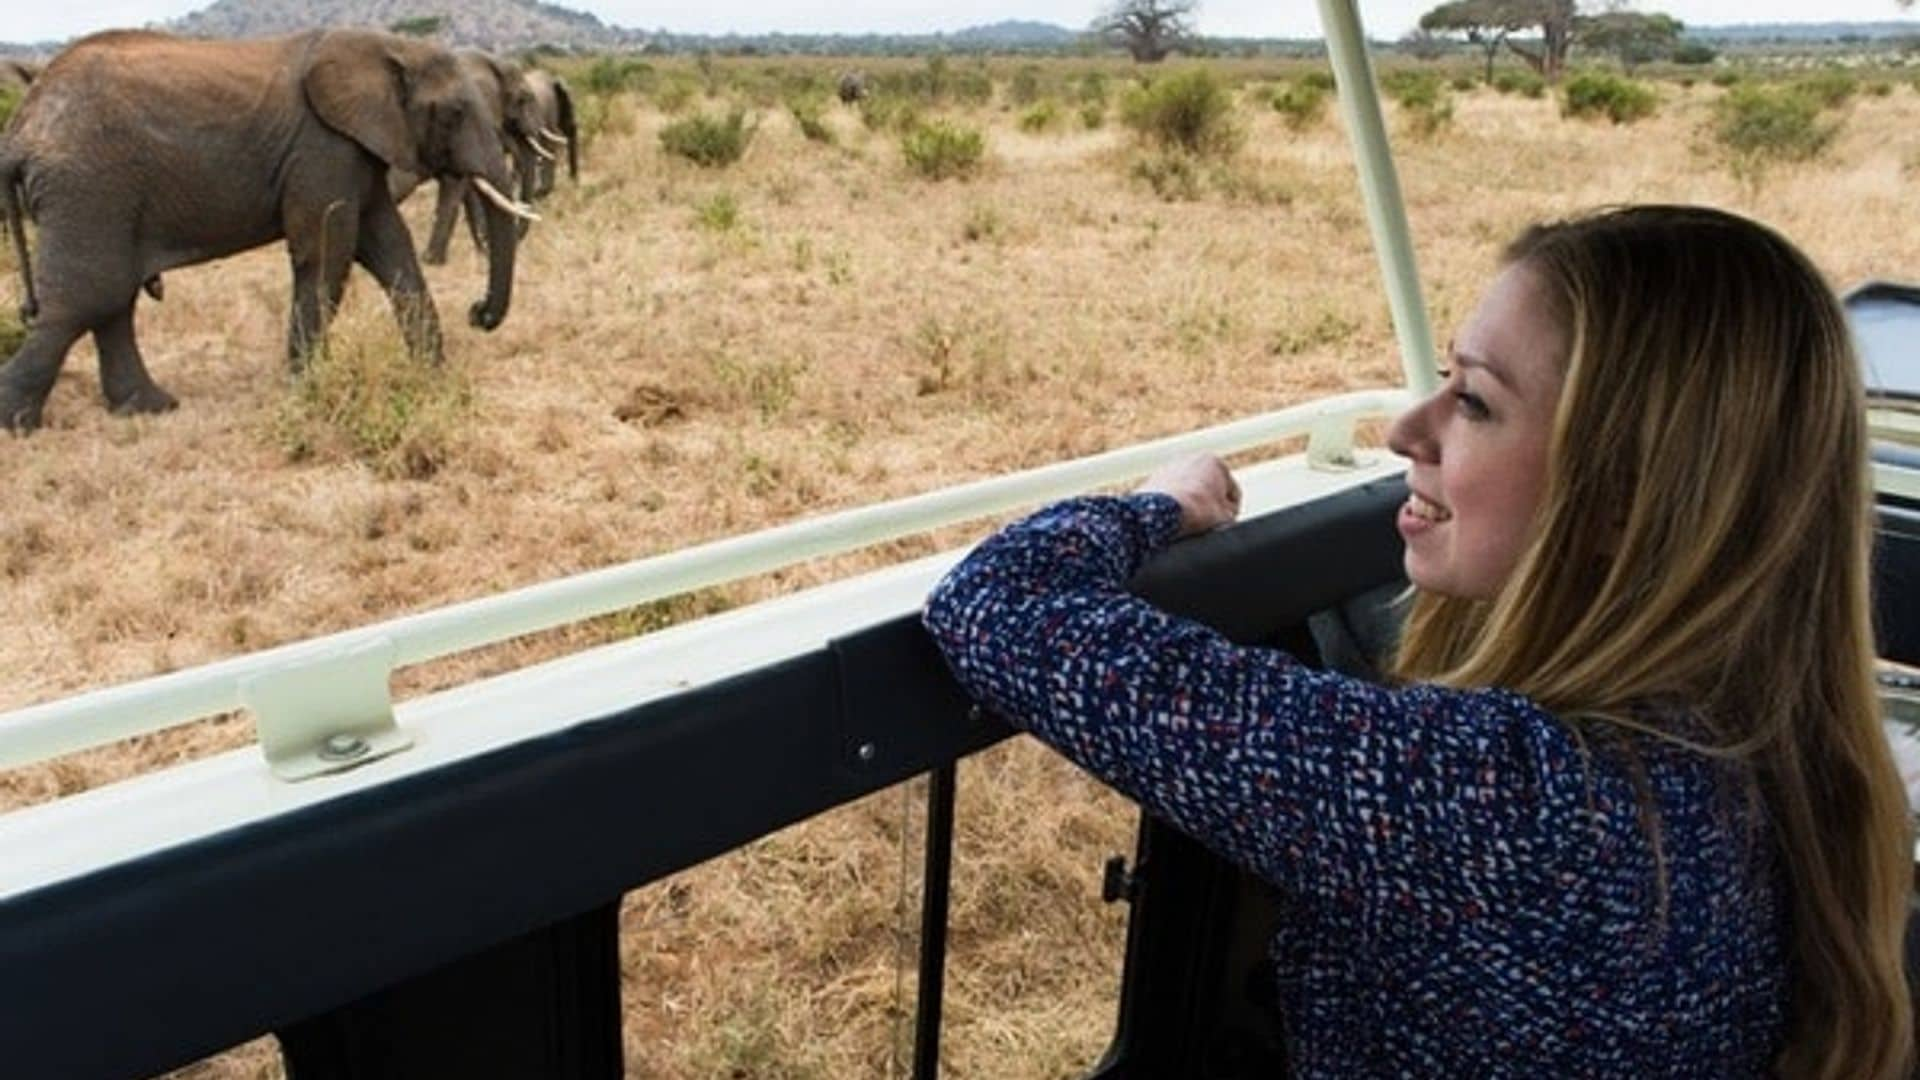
{"x":940,"y":150}
{"x":1598,"y":93}
{"x":1043,"y":116}
{"x":9,"y":101}
{"x":361,"y":396}
{"x":1830,"y":88}
{"x":709,"y":141}
{"x":1764,"y":125}
{"x":1191,"y":111}
{"x":810,"y":113}
{"x":1301,"y":103}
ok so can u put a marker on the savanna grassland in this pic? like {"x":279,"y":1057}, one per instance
{"x":695,"y":352}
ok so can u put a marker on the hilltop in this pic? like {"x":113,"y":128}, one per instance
{"x":487,"y":24}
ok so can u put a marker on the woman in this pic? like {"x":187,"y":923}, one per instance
{"x":1628,"y":809}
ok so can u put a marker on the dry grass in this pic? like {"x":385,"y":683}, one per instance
{"x":853,"y":334}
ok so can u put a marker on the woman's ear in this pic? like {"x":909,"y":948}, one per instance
{"x":357,"y":85}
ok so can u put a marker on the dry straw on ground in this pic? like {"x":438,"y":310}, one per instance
{"x":844,"y":333}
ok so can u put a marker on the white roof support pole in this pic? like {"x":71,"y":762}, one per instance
{"x":1380,"y":187}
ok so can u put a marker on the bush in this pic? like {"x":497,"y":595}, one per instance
{"x":1724,"y":79}
{"x":972,"y":88}
{"x":675,"y":94}
{"x":608,"y":75}
{"x":939,"y":150}
{"x":1598,"y":93}
{"x":1694,"y":53}
{"x":1829,"y":89}
{"x":1190,"y":111}
{"x":709,"y":141}
{"x":1093,"y":116}
{"x":720,"y":213}
{"x":1092,"y":89}
{"x":1761,"y":124}
{"x":9,"y":101}
{"x":1301,"y":103}
{"x":1025,"y":87}
{"x":1422,"y":98}
{"x":1043,"y":116}
{"x":880,"y":112}
{"x":1524,"y":83}
{"x":1319,"y":80}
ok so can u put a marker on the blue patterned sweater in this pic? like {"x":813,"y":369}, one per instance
{"x":1466,"y":893}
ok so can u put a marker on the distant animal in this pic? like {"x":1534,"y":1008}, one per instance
{"x":514,"y":111}
{"x":853,"y":86}
{"x":559,"y":126}
{"x":138,"y":151}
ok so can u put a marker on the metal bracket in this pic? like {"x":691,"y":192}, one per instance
{"x":327,"y":713}
{"x":1330,"y":446}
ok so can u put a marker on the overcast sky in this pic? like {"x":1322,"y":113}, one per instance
{"x":28,"y":20}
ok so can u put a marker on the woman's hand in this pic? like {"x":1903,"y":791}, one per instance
{"x":1203,"y":487}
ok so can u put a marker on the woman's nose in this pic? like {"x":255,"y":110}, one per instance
{"x":1411,"y":433}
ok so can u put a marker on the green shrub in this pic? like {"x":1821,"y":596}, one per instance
{"x":1694,"y":53}
{"x":1762,"y":124}
{"x":13,"y":332}
{"x":1830,"y":89}
{"x":1302,"y":103}
{"x":611,"y":75}
{"x":719,"y":213}
{"x":1462,"y":84}
{"x":1043,"y":116}
{"x":9,"y":101}
{"x":1725,"y":79}
{"x":972,"y":88}
{"x":1190,"y":111}
{"x":709,"y":141}
{"x":1093,"y":116}
{"x":938,"y":150}
{"x":1422,"y":98}
{"x":810,"y":112}
{"x":1598,"y":93}
{"x":1524,"y":83}
{"x":603,"y":114}
{"x":1875,"y":88}
{"x":1319,"y":80}
{"x":1091,"y":89}
{"x":881,"y":112}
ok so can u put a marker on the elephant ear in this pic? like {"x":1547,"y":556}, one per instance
{"x":357,"y":85}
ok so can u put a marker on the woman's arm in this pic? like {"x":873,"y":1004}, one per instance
{"x":1327,"y":786}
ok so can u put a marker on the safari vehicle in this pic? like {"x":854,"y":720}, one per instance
{"x":345,"y":885}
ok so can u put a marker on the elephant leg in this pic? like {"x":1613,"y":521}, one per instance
{"x":445,"y":209}
{"x":27,"y":379}
{"x":322,"y":254}
{"x":386,"y":250}
{"x":123,"y":375}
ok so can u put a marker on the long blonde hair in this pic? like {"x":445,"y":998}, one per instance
{"x":1704,"y":540}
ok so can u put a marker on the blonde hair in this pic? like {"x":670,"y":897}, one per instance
{"x":1703,"y":544}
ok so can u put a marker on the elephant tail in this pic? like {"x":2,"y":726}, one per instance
{"x":12,"y":177}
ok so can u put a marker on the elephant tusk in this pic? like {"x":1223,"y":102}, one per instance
{"x":492,"y":195}
{"x":539,"y":151}
{"x":553,"y":136}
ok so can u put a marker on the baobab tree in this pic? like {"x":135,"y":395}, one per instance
{"x":1150,"y":29}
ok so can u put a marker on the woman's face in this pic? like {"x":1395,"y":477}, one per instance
{"x":1478,"y":446}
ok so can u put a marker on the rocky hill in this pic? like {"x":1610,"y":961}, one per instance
{"x":487,"y":24}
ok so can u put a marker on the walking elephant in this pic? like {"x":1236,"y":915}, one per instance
{"x":138,"y":152}
{"x":558,"y":126}
{"x":515,"y":114}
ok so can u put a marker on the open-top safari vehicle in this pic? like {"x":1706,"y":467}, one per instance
{"x":345,"y":885}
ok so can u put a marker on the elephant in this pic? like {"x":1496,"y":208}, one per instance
{"x":138,"y":151}
{"x":853,"y":87}
{"x":514,"y":111}
{"x":557,"y":124}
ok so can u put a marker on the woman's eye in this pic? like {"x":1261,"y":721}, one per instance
{"x":1472,"y":406}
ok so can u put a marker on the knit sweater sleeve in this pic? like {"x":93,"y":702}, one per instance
{"x":1372,"y":799}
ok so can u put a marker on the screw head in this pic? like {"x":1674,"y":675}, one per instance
{"x":343,"y":747}
{"x":867,"y":751}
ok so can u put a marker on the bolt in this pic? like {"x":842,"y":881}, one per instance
{"x":867,"y":752}
{"x":343,"y":747}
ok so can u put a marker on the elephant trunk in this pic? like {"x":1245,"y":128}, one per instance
{"x":503,"y":236}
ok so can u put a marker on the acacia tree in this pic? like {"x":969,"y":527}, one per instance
{"x":1486,"y":23}
{"x":1633,"y":36}
{"x":1555,"y":18}
{"x":1150,"y":29}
